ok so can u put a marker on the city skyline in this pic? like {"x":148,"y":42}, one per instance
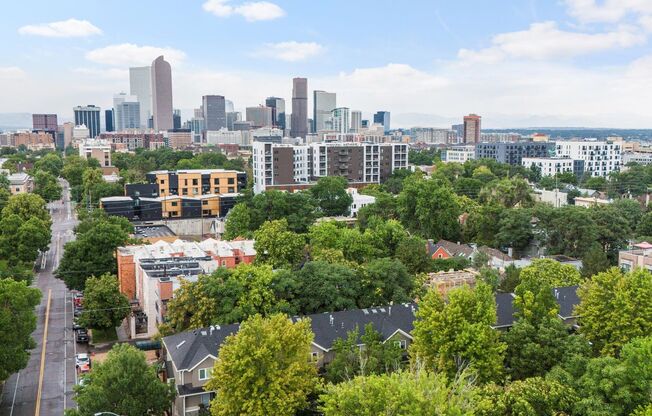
{"x":529,"y":63}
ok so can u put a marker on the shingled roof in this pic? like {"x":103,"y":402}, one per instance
{"x":453,"y":249}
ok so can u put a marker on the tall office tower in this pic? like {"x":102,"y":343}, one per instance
{"x":109,"y":120}
{"x":126,"y":112}
{"x":472,"y":127}
{"x":231,"y":118}
{"x":176,"y":119}
{"x":365,"y":124}
{"x":228,"y":106}
{"x":90,"y":117}
{"x":140,"y":85}
{"x":162,"y":94}
{"x":356,"y":121}
{"x":299,"y":107}
{"x":340,"y":120}
{"x":68,"y":128}
{"x":323,"y":105}
{"x":197,"y":126}
{"x":214,"y":107}
{"x":278,"y":111}
{"x":382,"y":117}
{"x":259,"y":116}
{"x":44,"y":122}
{"x":459,"y":131}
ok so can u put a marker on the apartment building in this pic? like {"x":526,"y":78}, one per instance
{"x":149,"y":274}
{"x":433,"y":135}
{"x":133,"y":141}
{"x":291,"y":167}
{"x":197,"y":182}
{"x":97,"y":149}
{"x":640,"y":256}
{"x":513,"y":153}
{"x":600,"y":157}
{"x":551,"y":166}
{"x":458,"y":154}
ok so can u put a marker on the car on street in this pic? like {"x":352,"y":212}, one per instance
{"x":84,"y":368}
{"x":82,"y":336}
{"x":76,"y":325}
{"x":82,"y":359}
{"x":78,"y":311}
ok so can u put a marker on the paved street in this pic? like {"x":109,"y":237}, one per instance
{"x":20,"y":393}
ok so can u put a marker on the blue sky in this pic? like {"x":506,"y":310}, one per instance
{"x":516,"y":62}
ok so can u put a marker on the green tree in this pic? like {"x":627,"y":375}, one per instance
{"x":508,"y":192}
{"x":27,"y":206}
{"x":420,"y":393}
{"x":238,"y":222}
{"x":46,"y":186}
{"x":385,"y":235}
{"x":264,"y":369}
{"x":384,"y":281}
{"x":377,"y":357}
{"x":123,"y":384}
{"x":511,"y":278}
{"x":331,"y":196}
{"x":33,"y":237}
{"x":50,"y":163}
{"x":615,"y":308}
{"x":73,"y":169}
{"x":104,"y":306}
{"x":452,"y":335}
{"x":277,"y":246}
{"x":645,"y":225}
{"x":515,"y":227}
{"x":17,"y":322}
{"x":613,"y":230}
{"x":569,"y":230}
{"x":594,"y":261}
{"x":630,"y":210}
{"x":324,"y":287}
{"x":412,"y":253}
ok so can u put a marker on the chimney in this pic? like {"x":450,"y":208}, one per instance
{"x":332,"y":320}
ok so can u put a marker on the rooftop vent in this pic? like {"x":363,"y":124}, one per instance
{"x":181,"y":343}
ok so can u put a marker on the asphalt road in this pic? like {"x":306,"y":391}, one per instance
{"x":21,"y":391}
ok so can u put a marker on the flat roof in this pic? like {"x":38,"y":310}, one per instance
{"x":153,"y":231}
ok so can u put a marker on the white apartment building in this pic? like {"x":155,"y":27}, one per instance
{"x":458,"y":154}
{"x":551,"y":166}
{"x":433,"y":135}
{"x":224,"y":136}
{"x":359,"y":201}
{"x":600,"y":157}
{"x":96,"y":148}
{"x":642,"y":158}
{"x":289,"y":167}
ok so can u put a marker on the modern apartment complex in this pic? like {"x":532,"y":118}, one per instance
{"x":97,"y":149}
{"x":196,"y":182}
{"x":600,"y":157}
{"x":133,"y":141}
{"x":551,"y":166}
{"x":289,"y":167}
{"x":458,"y":154}
{"x":513,"y":153}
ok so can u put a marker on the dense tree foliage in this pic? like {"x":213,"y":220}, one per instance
{"x":331,"y":196}
{"x":104,"y":306}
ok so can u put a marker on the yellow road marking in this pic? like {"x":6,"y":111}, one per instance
{"x":45,"y":339}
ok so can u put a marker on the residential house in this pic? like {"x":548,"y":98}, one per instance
{"x":446,"y":280}
{"x":639,"y":256}
{"x":444,"y":249}
{"x":359,"y":201}
{"x":20,"y":183}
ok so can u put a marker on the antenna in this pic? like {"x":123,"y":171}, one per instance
{"x":331,"y":319}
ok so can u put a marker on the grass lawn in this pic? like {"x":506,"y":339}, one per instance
{"x":104,"y":335}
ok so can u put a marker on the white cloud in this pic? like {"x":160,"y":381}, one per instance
{"x":291,"y":51}
{"x":609,"y":11}
{"x":11,"y":72}
{"x":70,"y":28}
{"x":545,"y":41}
{"x":251,"y":11}
{"x":128,"y":54}
{"x":105,"y":73}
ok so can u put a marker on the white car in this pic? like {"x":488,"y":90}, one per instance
{"x":82,"y":360}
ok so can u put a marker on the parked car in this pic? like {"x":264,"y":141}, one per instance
{"x":78,"y":311}
{"x":84,"y":368}
{"x":82,"y":381}
{"x":82,"y":336}
{"x":76,"y":325}
{"x":82,"y":359}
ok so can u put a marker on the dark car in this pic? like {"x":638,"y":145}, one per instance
{"x":76,"y":325}
{"x":82,"y":336}
{"x":78,"y":311}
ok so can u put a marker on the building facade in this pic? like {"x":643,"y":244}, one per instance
{"x":214,"y":112}
{"x":278,"y":111}
{"x":458,"y":154}
{"x":97,"y":149}
{"x":260,"y":116}
{"x":292,"y":167}
{"x":161,"y":76}
{"x":140,"y":86}
{"x":88,"y":116}
{"x":513,"y":153}
{"x":133,"y":141}
{"x":383,"y":118}
{"x":180,"y":138}
{"x":551,"y":166}
{"x":340,"y":120}
{"x":44,"y":122}
{"x":323,"y":105}
{"x":472,"y":128}
{"x":600,"y":157}
{"x":356,"y":121}
{"x":299,"y":124}
{"x":433,"y":135}
{"x":126,"y":112}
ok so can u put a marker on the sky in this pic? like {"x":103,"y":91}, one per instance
{"x":518,"y":63}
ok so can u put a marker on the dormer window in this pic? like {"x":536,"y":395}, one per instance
{"x":205,"y":373}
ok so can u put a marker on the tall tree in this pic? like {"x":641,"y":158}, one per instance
{"x":51,"y":163}
{"x":277,"y":246}
{"x":615,"y":308}
{"x":452,"y":335}
{"x":515,"y":227}
{"x":324,"y":287}
{"x":123,"y":384}
{"x":412,"y":253}
{"x":384,"y":281}
{"x":46,"y":186}
{"x":27,"y":206}
{"x":331,"y":196}
{"x":238,"y":222}
{"x":594,"y":261}
{"x":264,"y":369}
{"x":17,"y":322}
{"x":104,"y":306}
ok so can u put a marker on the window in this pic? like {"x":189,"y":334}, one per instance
{"x":205,"y":373}
{"x":216,"y":190}
{"x":231,"y":190}
{"x":231,"y":181}
{"x":204,"y":202}
{"x":162,"y":181}
{"x":174,"y":203}
{"x":314,"y":357}
{"x":402,"y":344}
{"x":223,"y":263}
{"x":184,"y":191}
{"x":205,"y":399}
{"x":216,"y":181}
{"x":194,"y":181}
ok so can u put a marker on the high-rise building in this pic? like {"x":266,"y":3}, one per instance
{"x":340,"y":120}
{"x":126,"y":112}
{"x":323,"y":105}
{"x":140,"y":85}
{"x":88,"y":116}
{"x":601,"y":157}
{"x":459,"y":131}
{"x":68,"y":129}
{"x":109,"y":120}
{"x":472,"y":128}
{"x":356,"y":121}
{"x":228,"y":106}
{"x":299,"y":107}
{"x":382,"y":118}
{"x":513,"y":153}
{"x":214,"y":107}
{"x":231,"y":118}
{"x":278,"y":111}
{"x":259,"y":116}
{"x":176,"y":119}
{"x":44,"y":122}
{"x":162,"y":94}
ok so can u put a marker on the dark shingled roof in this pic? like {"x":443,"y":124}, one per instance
{"x":504,"y":310}
{"x":187,"y":349}
{"x":451,"y":248}
{"x":567,"y":299}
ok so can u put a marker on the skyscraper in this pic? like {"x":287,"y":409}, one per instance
{"x":278,"y":111}
{"x":340,"y":120}
{"x":259,"y":116}
{"x":472,"y":127}
{"x":140,"y":85}
{"x":126,"y":112}
{"x":356,"y":121}
{"x":214,"y":107}
{"x":323,"y":105}
{"x":109,"y":123}
{"x":89,"y":116}
{"x":176,"y":119}
{"x":299,"y":107}
{"x":382,"y":117}
{"x":162,"y":94}
{"x":44,"y":122}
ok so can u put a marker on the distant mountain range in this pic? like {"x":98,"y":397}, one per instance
{"x":15,"y":121}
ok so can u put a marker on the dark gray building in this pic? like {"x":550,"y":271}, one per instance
{"x":299,"y":124}
{"x":512,"y":153}
{"x":108,"y":120}
{"x":214,"y":107}
{"x":382,"y":117}
{"x":278,"y":111}
{"x":90,"y":117}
